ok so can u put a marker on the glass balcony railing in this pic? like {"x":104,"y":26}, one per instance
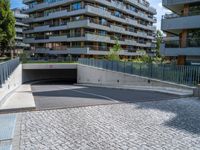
{"x":195,"y":42}
{"x":170,"y":16}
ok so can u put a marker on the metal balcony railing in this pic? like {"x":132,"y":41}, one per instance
{"x":7,"y":68}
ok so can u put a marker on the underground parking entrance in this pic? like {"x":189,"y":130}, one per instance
{"x":54,"y":87}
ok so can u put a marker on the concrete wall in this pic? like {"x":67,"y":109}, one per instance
{"x":49,"y":66}
{"x":197,"y":91}
{"x":14,"y":81}
{"x":92,"y":75}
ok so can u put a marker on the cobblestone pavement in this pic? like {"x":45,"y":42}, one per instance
{"x":159,"y":125}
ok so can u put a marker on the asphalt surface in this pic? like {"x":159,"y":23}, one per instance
{"x":55,"y":95}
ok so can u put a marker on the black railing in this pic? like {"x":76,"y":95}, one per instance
{"x":7,"y":68}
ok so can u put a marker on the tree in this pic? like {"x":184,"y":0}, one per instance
{"x":7,"y":26}
{"x":159,"y":37}
{"x":114,"y":51}
{"x":143,"y":58}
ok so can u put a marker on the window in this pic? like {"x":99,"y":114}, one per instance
{"x":102,"y":32}
{"x":117,"y":14}
{"x":194,"y":9}
{"x":103,"y":21}
{"x":76,"y":6}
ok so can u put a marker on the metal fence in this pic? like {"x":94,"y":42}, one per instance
{"x":6,"y":69}
{"x":187,"y":75}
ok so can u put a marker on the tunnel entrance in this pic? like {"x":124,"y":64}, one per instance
{"x":50,"y":76}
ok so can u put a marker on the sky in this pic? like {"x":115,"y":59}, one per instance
{"x":154,"y":3}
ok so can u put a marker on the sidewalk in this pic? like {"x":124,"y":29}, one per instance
{"x":22,"y":98}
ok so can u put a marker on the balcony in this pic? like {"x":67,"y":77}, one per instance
{"x":173,"y":48}
{"x":89,"y":9}
{"x":143,"y":6}
{"x":87,"y":49}
{"x":174,"y":23}
{"x":18,"y":30}
{"x":53,"y":15}
{"x":109,"y":3}
{"x":176,"y":2}
{"x":61,"y":26}
{"x":97,"y":37}
{"x":27,"y":1}
{"x":61,"y":50}
{"x":177,"y":5}
{"x":91,"y":23}
{"x":44,"y":5}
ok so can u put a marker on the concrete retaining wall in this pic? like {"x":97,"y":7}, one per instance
{"x":197,"y":91}
{"x":13,"y":82}
{"x":48,"y":66}
{"x":92,"y":75}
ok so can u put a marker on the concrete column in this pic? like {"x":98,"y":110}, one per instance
{"x":82,"y":56}
{"x":181,"y":60}
{"x":82,"y":44}
{"x":82,"y":31}
{"x":186,"y":10}
{"x":183,"y":35}
{"x":183,"y":38}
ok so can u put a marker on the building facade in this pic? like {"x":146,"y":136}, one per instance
{"x":183,"y":31}
{"x":89,"y":27}
{"x":19,"y":27}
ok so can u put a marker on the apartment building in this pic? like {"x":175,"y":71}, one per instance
{"x":19,"y":26}
{"x":182,"y":28}
{"x":89,"y":28}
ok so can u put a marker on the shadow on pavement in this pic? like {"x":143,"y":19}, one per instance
{"x":186,"y":111}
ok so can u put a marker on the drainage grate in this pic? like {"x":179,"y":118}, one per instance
{"x":6,"y":146}
{"x":7,"y":126}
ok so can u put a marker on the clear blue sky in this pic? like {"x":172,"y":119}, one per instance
{"x":155,"y":3}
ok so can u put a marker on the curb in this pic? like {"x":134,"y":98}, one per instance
{"x":17,"y":110}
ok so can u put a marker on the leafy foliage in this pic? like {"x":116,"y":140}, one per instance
{"x":114,"y":51}
{"x":159,"y":37}
{"x":7,"y":26}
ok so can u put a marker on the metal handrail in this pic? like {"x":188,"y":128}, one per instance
{"x":186,"y":75}
{"x":7,"y":68}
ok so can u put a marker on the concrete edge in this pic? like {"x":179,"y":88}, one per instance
{"x":16,"y":138}
{"x":142,"y":77}
{"x":16,"y":109}
{"x":197,"y":91}
{"x":49,"y":66}
{"x":9,"y":94}
{"x":6,"y":96}
{"x":180,"y":94}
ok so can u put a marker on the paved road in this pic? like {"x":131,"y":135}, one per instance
{"x":49,"y":96}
